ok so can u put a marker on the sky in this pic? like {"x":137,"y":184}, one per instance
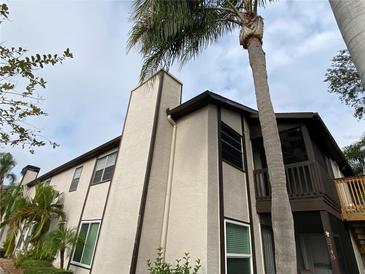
{"x":86,"y":97}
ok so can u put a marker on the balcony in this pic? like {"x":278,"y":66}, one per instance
{"x":351,"y":191}
{"x":306,"y":179}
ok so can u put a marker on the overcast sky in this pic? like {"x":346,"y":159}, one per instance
{"x":86,"y":97}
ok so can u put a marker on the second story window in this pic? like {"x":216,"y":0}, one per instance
{"x":75,"y":179}
{"x":104,"y":169}
{"x":231,"y":146}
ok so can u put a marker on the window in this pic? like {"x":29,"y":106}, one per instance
{"x":104,"y":168}
{"x":293,"y":146}
{"x":75,"y":179}
{"x":85,"y":247}
{"x":238,"y":248}
{"x":231,"y":146}
{"x":268,"y":246}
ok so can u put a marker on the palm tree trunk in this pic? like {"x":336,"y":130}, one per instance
{"x":350,"y":17}
{"x":281,"y":214}
{"x":62,"y":258}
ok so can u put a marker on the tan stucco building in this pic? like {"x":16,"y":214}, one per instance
{"x":191,"y":177}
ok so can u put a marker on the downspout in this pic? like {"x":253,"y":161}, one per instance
{"x":168,"y":188}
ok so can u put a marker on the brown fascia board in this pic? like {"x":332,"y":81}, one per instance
{"x":204,"y":99}
{"x":315,"y":120}
{"x":78,"y":160}
{"x":335,"y":149}
{"x":29,"y":167}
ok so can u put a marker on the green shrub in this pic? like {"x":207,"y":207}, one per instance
{"x":29,"y":263}
{"x":159,"y":266}
{"x":41,"y":267}
{"x":45,"y":270}
{"x":36,"y":254}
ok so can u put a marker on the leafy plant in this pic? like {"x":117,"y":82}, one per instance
{"x":182,"y":266}
{"x":32,"y":266}
{"x":21,"y":102}
{"x":37,"y":212}
{"x":355,"y":155}
{"x":61,"y":240}
{"x":7,"y":163}
{"x":343,"y":79}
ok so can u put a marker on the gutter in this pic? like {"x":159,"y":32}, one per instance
{"x":166,"y":213}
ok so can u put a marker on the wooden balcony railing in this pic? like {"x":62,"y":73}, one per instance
{"x":351,"y":191}
{"x":304,"y":179}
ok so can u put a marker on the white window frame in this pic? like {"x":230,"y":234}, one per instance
{"x":87,"y":234}
{"x":73,"y":178}
{"x":235,"y":255}
{"x":106,"y":156}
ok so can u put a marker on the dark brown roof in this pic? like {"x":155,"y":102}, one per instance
{"x":78,"y":160}
{"x":312,"y":119}
{"x":208,"y":97}
{"x":204,"y":99}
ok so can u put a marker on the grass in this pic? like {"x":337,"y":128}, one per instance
{"x":41,"y":267}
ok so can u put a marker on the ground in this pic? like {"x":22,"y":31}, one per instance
{"x":7,"y":267}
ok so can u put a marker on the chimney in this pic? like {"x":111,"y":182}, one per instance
{"x":133,"y":218}
{"x":29,"y":173}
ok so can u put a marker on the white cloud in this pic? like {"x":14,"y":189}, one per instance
{"x":86,"y":97}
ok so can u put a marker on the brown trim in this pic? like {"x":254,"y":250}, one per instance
{"x":244,"y":151}
{"x":29,"y":167}
{"x":104,"y":209}
{"x":109,"y":188}
{"x":312,"y":203}
{"x":146,"y":179}
{"x":79,"y":160}
{"x":82,"y":213}
{"x":204,"y":99}
{"x":221,"y":194}
{"x":308,"y":143}
{"x":233,"y":165}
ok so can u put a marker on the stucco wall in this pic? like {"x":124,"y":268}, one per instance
{"x":235,"y":188}
{"x":73,"y":201}
{"x":29,"y":176}
{"x":153,"y":216}
{"x":118,"y":230}
{"x":195,"y":176}
{"x":235,"y":194}
{"x":213,"y":238}
{"x":95,"y":202}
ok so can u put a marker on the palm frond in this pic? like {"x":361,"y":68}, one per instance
{"x":166,"y":31}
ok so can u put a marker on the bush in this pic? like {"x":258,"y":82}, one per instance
{"x":159,"y":266}
{"x":41,"y":267}
{"x":32,"y":255}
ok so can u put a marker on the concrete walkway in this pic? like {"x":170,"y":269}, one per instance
{"x":2,"y":271}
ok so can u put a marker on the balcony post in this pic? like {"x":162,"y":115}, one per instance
{"x":331,"y":247}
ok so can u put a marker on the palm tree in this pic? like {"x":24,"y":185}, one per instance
{"x":37,"y":213}
{"x":350,"y":17}
{"x":8,"y":201}
{"x":61,"y":240}
{"x":7,"y":163}
{"x":181,"y":29}
{"x":43,"y":208}
{"x":14,"y":222}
